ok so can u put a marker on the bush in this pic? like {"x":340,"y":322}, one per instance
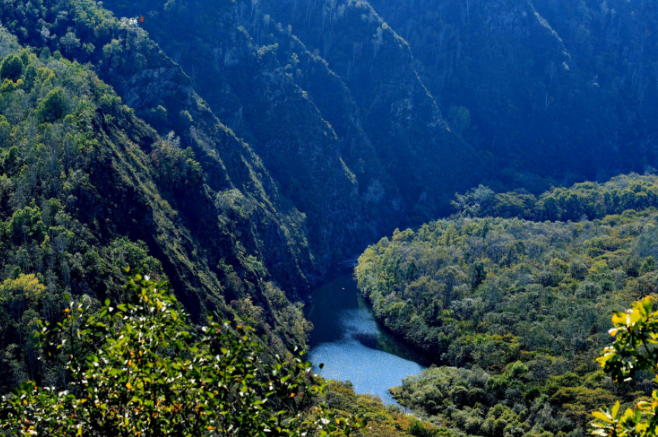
{"x":631,"y":353}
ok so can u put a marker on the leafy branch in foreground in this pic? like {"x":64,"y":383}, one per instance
{"x":634,"y":349}
{"x":145,"y":373}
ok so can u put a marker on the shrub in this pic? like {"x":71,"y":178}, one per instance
{"x":633,"y":351}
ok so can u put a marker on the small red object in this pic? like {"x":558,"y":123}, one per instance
{"x":141,"y":19}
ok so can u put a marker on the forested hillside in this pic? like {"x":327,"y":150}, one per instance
{"x":87,"y":189}
{"x":559,"y":88}
{"x":525,"y":103}
{"x":276,"y":117}
{"x":356,"y":117}
{"x":518,"y":310}
{"x":583,"y":201}
{"x":396,"y":110}
{"x":241,"y":190}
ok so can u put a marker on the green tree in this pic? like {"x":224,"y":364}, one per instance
{"x":18,"y":295}
{"x":53,"y":106}
{"x":11,"y":68}
{"x":478,"y":273}
{"x":137,"y":369}
{"x":26,"y":224}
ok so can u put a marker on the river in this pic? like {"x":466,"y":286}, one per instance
{"x":352,"y":345}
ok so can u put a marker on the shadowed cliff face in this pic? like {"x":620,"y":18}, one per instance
{"x":553,"y":91}
{"x":311,"y":142}
{"x":405,"y":126}
{"x":343,"y":155}
{"x":249,"y":89}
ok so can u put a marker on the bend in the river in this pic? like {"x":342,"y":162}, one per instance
{"x":352,"y":345}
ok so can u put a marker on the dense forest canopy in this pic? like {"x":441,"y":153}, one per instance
{"x":517,"y":310}
{"x":87,"y":190}
{"x":587,"y":200}
{"x":135,"y":369}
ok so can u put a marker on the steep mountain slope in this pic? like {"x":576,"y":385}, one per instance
{"x":335,"y":103}
{"x":404,"y":124}
{"x":615,"y":45}
{"x":88,"y":188}
{"x":561,"y":90}
{"x":247,"y":87}
{"x":613,"y":41}
{"x":152,"y":84}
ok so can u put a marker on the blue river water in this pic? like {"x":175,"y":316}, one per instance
{"x":352,"y":345}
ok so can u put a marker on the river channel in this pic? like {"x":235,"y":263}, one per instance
{"x":352,"y":345}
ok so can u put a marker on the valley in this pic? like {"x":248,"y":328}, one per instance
{"x":491,"y":163}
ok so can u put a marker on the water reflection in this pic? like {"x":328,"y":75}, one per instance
{"x":353,"y":346}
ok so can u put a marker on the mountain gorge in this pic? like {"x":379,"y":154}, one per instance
{"x":344,"y":129}
{"x":241,"y":149}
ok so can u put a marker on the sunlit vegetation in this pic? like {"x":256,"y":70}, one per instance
{"x":50,"y":244}
{"x":517,"y":310}
{"x":233,"y":212}
{"x":138,"y":368}
{"x":587,"y":200}
{"x":87,"y":189}
{"x":238,"y":148}
{"x":382,"y":421}
{"x":631,"y":354}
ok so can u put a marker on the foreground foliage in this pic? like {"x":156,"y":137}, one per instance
{"x":145,"y":372}
{"x":633,"y":351}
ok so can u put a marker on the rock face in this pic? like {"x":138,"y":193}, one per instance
{"x":354,"y":163}
{"x":324,"y":165}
